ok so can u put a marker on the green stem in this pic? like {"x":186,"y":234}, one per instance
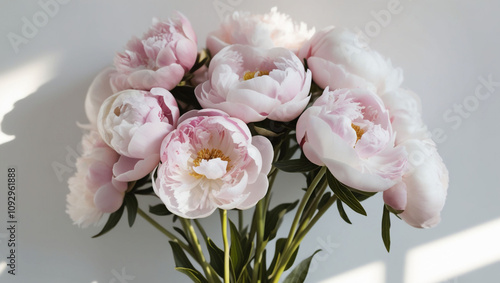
{"x":260,"y":240}
{"x":308,"y":214}
{"x":282,"y":262}
{"x":299,"y":237}
{"x":188,"y":227}
{"x":226,"y":245}
{"x":202,"y":230}
{"x":165,"y":231}
{"x":303,"y":203}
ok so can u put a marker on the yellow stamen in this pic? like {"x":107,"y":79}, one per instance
{"x":207,"y":154}
{"x":359,"y":131}
{"x":250,"y":75}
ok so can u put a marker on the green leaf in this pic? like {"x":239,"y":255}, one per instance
{"x":131,"y":203}
{"x":146,"y":191}
{"x":216,"y":257}
{"x":181,"y":232}
{"x":180,"y":258}
{"x":186,"y":94}
{"x":386,"y":228}
{"x":342,"y":213}
{"x":344,"y":194}
{"x":265,"y":132}
{"x":113,"y":219}
{"x":238,"y":259}
{"x":159,"y":209}
{"x":275,"y":217}
{"x":193,"y":274}
{"x":394,"y":211}
{"x":299,"y":273}
{"x":199,"y":63}
{"x":324,"y":199}
{"x":278,"y":252}
{"x":295,"y":165}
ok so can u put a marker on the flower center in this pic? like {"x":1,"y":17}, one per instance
{"x":250,"y":75}
{"x":359,"y":131}
{"x":207,"y":155}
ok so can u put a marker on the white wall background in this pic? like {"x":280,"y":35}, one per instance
{"x":443,"y":47}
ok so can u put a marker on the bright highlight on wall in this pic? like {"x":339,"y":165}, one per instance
{"x":373,"y":273}
{"x":452,"y":256}
{"x":22,"y":81}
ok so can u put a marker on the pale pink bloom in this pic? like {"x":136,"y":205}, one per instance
{"x":99,"y":90}
{"x":405,"y":112}
{"x":160,"y":59}
{"x":134,"y":123}
{"x":270,"y":30}
{"x":212,"y":161}
{"x":253,"y":84}
{"x":340,"y":59}
{"x":349,"y":131}
{"x":422,"y":191}
{"x":93,"y":191}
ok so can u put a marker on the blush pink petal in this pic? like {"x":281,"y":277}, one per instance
{"x":396,"y":197}
{"x":147,"y":139}
{"x":426,"y":184}
{"x":99,"y":90}
{"x":365,"y":158}
{"x":107,"y":199}
{"x":211,"y":161}
{"x":131,"y":169}
{"x":281,"y":93}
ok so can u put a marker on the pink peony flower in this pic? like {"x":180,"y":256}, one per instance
{"x":99,"y":90}
{"x":422,"y":191}
{"x":211,"y":161}
{"x":264,"y":31}
{"x":349,"y":131}
{"x":405,"y":112}
{"x":134,"y":123}
{"x":160,"y":59}
{"x":339,"y":59}
{"x":254,"y":84}
{"x":93,"y":190}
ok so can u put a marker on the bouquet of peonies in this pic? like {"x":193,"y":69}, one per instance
{"x":210,"y":130}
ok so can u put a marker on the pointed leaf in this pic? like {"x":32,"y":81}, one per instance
{"x":236,"y":250}
{"x":146,"y":191}
{"x":296,"y":165}
{"x":113,"y":219}
{"x":299,"y":273}
{"x":275,"y":217}
{"x":344,"y":194}
{"x":182,"y":233}
{"x":324,"y":199}
{"x":342,"y":213}
{"x":180,"y":258}
{"x":194,"y":274}
{"x":386,"y":228}
{"x":216,"y":257}
{"x":159,"y":209}
{"x":131,"y":202}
